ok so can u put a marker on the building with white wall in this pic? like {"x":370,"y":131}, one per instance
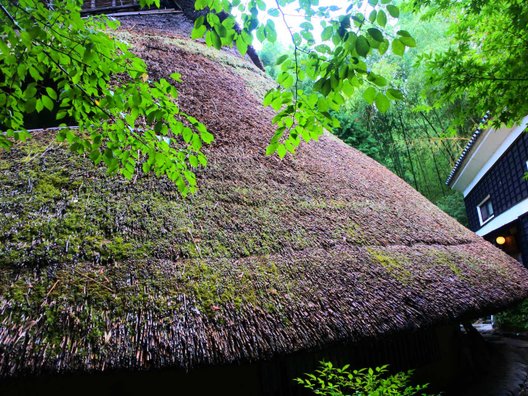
{"x":490,"y":174}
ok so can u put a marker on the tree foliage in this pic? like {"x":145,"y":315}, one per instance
{"x":53,"y":60}
{"x":485,"y":64}
{"x":336,"y":59}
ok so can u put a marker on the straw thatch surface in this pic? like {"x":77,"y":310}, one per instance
{"x":268,"y":257}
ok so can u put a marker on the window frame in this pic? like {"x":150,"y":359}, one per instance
{"x":479,"y":212}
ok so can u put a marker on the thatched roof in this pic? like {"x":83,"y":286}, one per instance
{"x":268,"y":257}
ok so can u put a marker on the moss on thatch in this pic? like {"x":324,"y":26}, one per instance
{"x":268,"y":257}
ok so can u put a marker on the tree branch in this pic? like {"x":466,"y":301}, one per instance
{"x":9,"y":16}
{"x":296,"y":55}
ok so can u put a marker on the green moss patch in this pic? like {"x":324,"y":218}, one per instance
{"x":444,"y":259}
{"x":396,"y":264}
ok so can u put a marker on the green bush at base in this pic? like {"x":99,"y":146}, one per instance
{"x":514,"y":319}
{"x":335,"y":381}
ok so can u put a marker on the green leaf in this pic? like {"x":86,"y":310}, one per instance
{"x":212,"y":39}
{"x":373,"y":15}
{"x":198,"y":32}
{"x":383,"y":47}
{"x":261,"y":34}
{"x":51,"y":93}
{"x":261,"y":4}
{"x":306,"y":25}
{"x":271,"y":149}
{"x":322,"y":104}
{"x":397,"y":47}
{"x":382,"y":103}
{"x":362,"y":46}
{"x":202,"y":159}
{"x":241,"y":45}
{"x":288,"y":81}
{"x":47,"y":102}
{"x":39,"y":106}
{"x":21,"y":71}
{"x":281,"y":151}
{"x":146,"y":167}
{"x":271,"y":33}
{"x":297,"y":39}
{"x":274,"y":12}
{"x":327,"y":33}
{"x":196,"y":142}
{"x":395,"y":93}
{"x":35,"y":73}
{"x":276,"y":104}
{"x":207,"y":137}
{"x":370,"y":94}
{"x":348,"y":88}
{"x":94,"y":155}
{"x":382,"y":18}
{"x":380,"y":81}
{"x":30,"y":91}
{"x":375,"y":34}
{"x":193,"y":160}
{"x":327,"y":87}
{"x":404,"y":33}
{"x":176,"y":77}
{"x":281,"y":59}
{"x":408,"y":41}
{"x":201,"y":19}
{"x":393,"y":11}
{"x":61,"y":115}
{"x":4,"y":48}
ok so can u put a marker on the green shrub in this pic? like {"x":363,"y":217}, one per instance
{"x":514,"y":319}
{"x":334,"y":381}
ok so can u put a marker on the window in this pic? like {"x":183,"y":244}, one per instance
{"x":485,"y":210}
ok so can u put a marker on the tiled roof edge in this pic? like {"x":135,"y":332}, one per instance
{"x":468,"y":148}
